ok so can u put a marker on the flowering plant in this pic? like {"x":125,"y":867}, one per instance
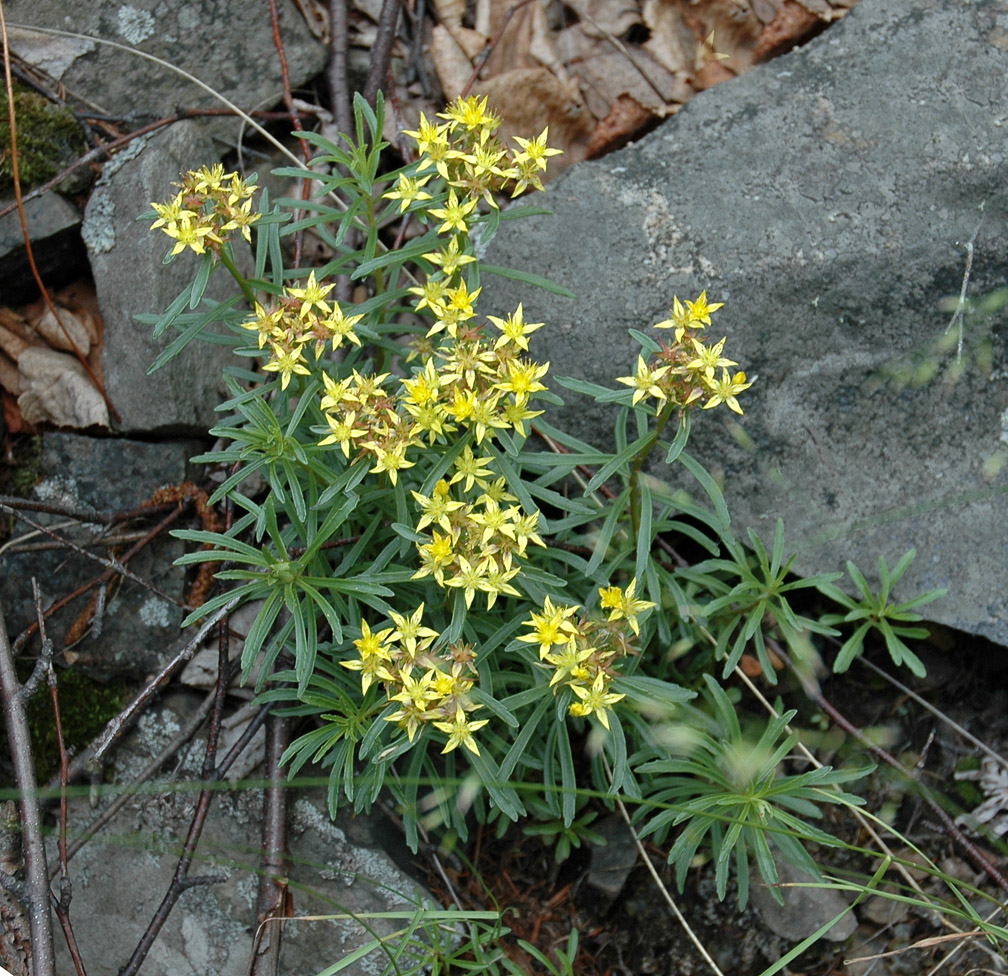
{"x":451,"y":591}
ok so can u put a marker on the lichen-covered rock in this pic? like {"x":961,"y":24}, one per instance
{"x":141,"y":58}
{"x":335,"y":873}
{"x":91,"y":474}
{"x":827,"y":198}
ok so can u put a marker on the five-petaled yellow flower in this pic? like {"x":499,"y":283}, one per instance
{"x":645,"y":381}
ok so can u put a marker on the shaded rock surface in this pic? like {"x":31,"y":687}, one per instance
{"x":806,"y":907}
{"x":54,"y":231}
{"x":222,"y":43}
{"x":101,"y":475}
{"x":827,"y":198}
{"x":122,"y":875}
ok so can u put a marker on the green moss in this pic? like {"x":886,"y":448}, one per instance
{"x":85,"y":708}
{"x":48,"y":138}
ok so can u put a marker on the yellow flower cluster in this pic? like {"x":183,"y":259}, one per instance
{"x":469,"y":382}
{"x":685,"y":371}
{"x":475,"y":539}
{"x":300,"y":317}
{"x":430,"y":684}
{"x":209,"y":205}
{"x":583,"y":652}
{"x":464,"y":151}
{"x":470,"y":379}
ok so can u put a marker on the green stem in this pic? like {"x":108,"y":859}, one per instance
{"x":635,"y":501}
{"x":228,"y":262}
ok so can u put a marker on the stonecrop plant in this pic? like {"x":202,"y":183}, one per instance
{"x":468,"y":608}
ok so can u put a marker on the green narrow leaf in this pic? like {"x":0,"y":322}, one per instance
{"x":617,"y":461}
{"x":191,"y":331}
{"x":609,"y":526}
{"x":681,"y":437}
{"x":644,"y":536}
{"x":526,"y":277}
{"x":201,"y":279}
{"x":710,"y":487}
{"x":173,"y":311}
{"x":568,"y":778}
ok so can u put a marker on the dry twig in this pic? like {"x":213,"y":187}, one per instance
{"x":37,"y":875}
{"x":272,"y":901}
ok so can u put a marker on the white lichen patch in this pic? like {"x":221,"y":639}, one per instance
{"x":57,"y":490}
{"x":98,"y":229}
{"x":155,"y":612}
{"x":134,"y":25}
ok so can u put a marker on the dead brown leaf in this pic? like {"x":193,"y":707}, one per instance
{"x":453,"y":67}
{"x":450,"y":12}
{"x":792,"y":24}
{"x":608,"y":71}
{"x":625,"y":120}
{"x":601,"y":17}
{"x":765,"y":10}
{"x":529,"y":98}
{"x":68,"y":334}
{"x":9,"y":379}
{"x":672,"y":41}
{"x":525,"y":39}
{"x":57,"y":390}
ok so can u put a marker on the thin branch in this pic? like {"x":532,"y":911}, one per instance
{"x":937,"y":712}
{"x":113,"y":564}
{"x":177,"y":742}
{"x":811,"y":689}
{"x":272,"y":899}
{"x":100,"y":581}
{"x":864,"y":822}
{"x":381,"y":50}
{"x":494,"y":41}
{"x":958,"y":314}
{"x":106,"y":149}
{"x":61,"y":904}
{"x":210,"y":774}
{"x":128,"y":715}
{"x":44,"y":663}
{"x":337,"y":73}
{"x":36,"y":873}
{"x":181,"y":881}
{"x":152,"y":506}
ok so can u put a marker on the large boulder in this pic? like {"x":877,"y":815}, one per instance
{"x":149,"y":58}
{"x":828,"y":199}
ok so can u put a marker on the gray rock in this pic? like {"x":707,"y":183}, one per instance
{"x":805,"y":909}
{"x":101,"y":475}
{"x":611,"y":861}
{"x":120,"y":877}
{"x":54,"y":230}
{"x":224,"y":44}
{"x":126,"y":259}
{"x":826,"y":197}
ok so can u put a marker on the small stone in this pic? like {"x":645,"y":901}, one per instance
{"x":805,"y":908}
